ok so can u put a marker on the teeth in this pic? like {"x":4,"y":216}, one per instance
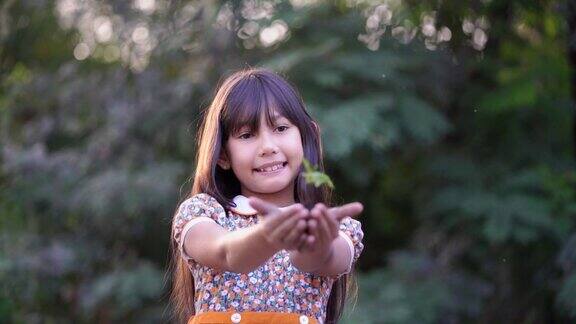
{"x":272,"y":168}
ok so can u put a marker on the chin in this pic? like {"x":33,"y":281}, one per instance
{"x":272,"y":188}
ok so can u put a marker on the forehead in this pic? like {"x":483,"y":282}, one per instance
{"x":269,"y":118}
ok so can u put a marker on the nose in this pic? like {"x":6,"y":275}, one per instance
{"x":267,"y":144}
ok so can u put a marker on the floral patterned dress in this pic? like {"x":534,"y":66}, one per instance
{"x":276,"y":286}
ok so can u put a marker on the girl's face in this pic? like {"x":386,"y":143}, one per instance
{"x":266,"y":162}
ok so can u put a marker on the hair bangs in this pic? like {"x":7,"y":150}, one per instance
{"x":253,"y":96}
{"x":286,"y":101}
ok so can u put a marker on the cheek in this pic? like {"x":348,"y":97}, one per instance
{"x":243,"y":158}
{"x":297,"y":155}
{"x":298,"y":152}
{"x":298,"y":146}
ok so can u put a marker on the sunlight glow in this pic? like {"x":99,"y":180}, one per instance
{"x":146,"y":6}
{"x":277,"y":32}
{"x":103,"y":29}
{"x":81,"y":51}
{"x":140,"y":34}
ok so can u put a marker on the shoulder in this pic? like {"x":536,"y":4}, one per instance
{"x":350,"y":223}
{"x":200,"y":204}
{"x":201,"y":199}
{"x":353,"y":231}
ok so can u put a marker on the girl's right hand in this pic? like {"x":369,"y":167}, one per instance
{"x":283,"y":229}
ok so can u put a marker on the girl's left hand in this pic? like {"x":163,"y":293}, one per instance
{"x":324,"y":225}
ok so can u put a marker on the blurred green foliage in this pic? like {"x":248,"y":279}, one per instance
{"x":451,"y":121}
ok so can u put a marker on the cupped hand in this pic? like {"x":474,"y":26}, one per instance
{"x":282,"y":228}
{"x":297,"y":228}
{"x":324,"y":225}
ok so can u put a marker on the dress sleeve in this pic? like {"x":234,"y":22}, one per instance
{"x":351,"y":231}
{"x":194,"y":210}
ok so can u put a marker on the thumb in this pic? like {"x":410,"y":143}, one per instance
{"x":350,"y":209}
{"x":262,"y":206}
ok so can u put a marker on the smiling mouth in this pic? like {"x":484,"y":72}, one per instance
{"x":272,"y":169}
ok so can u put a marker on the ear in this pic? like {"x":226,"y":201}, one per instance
{"x":223,"y":160}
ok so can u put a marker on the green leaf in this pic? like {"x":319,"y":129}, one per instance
{"x":315,"y":177}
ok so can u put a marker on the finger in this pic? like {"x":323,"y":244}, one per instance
{"x":310,"y":239}
{"x":292,"y":240}
{"x":333,"y":224}
{"x":301,"y":246}
{"x":276,"y":219}
{"x":288,"y":222}
{"x":311,"y":242}
{"x":312,"y":224}
{"x":348,"y":210}
{"x":320,"y":233}
{"x":323,"y":226}
{"x":261,"y":206}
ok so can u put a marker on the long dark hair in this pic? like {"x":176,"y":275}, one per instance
{"x":240,"y":100}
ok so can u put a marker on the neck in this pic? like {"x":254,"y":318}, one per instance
{"x":280,"y":199}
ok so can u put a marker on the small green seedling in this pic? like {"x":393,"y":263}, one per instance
{"x":315,"y":177}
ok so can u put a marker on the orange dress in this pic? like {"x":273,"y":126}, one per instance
{"x":251,"y":318}
{"x":275,"y":287}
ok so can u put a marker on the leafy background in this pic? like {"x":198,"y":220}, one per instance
{"x":452,"y":121}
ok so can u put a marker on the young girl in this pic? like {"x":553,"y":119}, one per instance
{"x":253,"y":242}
